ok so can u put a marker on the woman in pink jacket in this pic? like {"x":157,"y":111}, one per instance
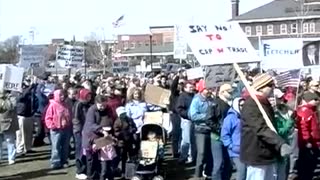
{"x":58,"y":121}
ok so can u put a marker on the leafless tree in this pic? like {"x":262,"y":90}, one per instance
{"x":9,"y":50}
{"x":302,"y":10}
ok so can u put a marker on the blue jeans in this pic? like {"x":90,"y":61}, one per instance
{"x":187,"y":142}
{"x":60,"y":140}
{"x":222,"y":168}
{"x":241,"y":168}
{"x":10,"y":141}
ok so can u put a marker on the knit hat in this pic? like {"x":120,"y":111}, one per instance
{"x":200,"y":86}
{"x":261,"y":80}
{"x":120,"y":110}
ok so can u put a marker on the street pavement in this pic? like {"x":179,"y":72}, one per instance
{"x":36,"y":167}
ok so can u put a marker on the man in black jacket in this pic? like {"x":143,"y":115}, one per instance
{"x":260,"y":146}
{"x":26,"y":108}
{"x":182,"y":107}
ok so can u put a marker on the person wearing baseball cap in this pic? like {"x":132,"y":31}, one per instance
{"x":260,"y":146}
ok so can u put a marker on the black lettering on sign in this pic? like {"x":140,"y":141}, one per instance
{"x":214,"y":37}
{"x":237,"y":50}
{"x":221,"y":28}
{"x":197,"y":28}
{"x":1,"y":76}
{"x":35,"y":65}
{"x":205,"y":51}
{"x":9,"y":85}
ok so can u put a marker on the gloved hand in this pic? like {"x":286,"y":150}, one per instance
{"x":285,"y":150}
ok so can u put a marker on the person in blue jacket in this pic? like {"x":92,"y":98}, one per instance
{"x":230,"y":136}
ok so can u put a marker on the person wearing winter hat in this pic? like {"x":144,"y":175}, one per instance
{"x":124,"y":129}
{"x":201,"y":113}
{"x":260,"y":146}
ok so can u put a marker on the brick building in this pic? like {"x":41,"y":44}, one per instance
{"x":280,"y":19}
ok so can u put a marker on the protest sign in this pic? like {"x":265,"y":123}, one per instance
{"x":120,"y":66}
{"x":70,"y":56}
{"x":223,"y":43}
{"x":11,"y":77}
{"x":281,"y":54}
{"x":194,"y":73}
{"x":180,"y":44}
{"x":217,"y":75}
{"x":157,"y":96}
{"x":32,"y":56}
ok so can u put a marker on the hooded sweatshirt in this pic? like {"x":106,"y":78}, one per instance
{"x":80,"y":110}
{"x":231,"y":128}
{"x":58,"y":114}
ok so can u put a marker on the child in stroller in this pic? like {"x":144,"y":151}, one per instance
{"x":151,"y":152}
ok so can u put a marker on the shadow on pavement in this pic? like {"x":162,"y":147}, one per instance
{"x":31,"y":175}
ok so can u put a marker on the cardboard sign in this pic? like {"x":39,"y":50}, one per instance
{"x":70,"y":56}
{"x":11,"y":78}
{"x":194,"y":73}
{"x":153,"y":118}
{"x":180,"y":44}
{"x":157,"y":96}
{"x":223,"y":43}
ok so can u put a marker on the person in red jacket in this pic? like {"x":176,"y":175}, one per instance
{"x":308,"y":136}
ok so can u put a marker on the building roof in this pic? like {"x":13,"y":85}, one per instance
{"x":280,"y":9}
{"x":160,"y":27}
{"x":165,"y":48}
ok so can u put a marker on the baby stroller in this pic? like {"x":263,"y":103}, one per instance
{"x":152,"y":152}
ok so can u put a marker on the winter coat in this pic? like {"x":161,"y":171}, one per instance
{"x":285,"y":125}
{"x":231,"y":130}
{"x":136,"y":110}
{"x":8,"y":115}
{"x":58,"y":114}
{"x":308,"y":126}
{"x":259,"y":144}
{"x":220,"y":112}
{"x":201,"y":112}
{"x":174,"y":94}
{"x":183,"y":104}
{"x":42,"y":100}
{"x":124,"y":129}
{"x":27,"y":102}
{"x":92,"y":126}
{"x":80,"y":110}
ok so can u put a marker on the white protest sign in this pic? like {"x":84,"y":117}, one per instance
{"x":194,"y":73}
{"x":221,"y":43}
{"x":32,"y":56}
{"x":281,"y":54}
{"x":12,"y":77}
{"x":121,"y":66}
{"x":70,"y":56}
{"x":180,"y":44}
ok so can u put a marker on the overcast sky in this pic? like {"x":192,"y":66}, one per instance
{"x":65,"y":18}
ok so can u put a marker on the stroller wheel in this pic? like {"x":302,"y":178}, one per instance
{"x":157,"y":178}
{"x":136,"y":178}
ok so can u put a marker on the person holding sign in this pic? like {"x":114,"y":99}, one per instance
{"x":260,"y":146}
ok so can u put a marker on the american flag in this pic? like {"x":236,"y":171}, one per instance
{"x":288,"y":78}
{"x":117,"y":24}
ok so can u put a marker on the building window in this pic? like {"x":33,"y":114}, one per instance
{"x":312,"y":27}
{"x":132,"y":45}
{"x":283,"y":29}
{"x":126,"y":45}
{"x":248,"y":30}
{"x":270,"y":29}
{"x":305,"y":27}
{"x":294,"y":28}
{"x":154,"y":42}
{"x":258,"y":30}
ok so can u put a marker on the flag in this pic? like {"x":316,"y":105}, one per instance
{"x":288,"y":79}
{"x":117,"y":24}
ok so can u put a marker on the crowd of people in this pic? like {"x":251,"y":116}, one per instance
{"x":219,"y":130}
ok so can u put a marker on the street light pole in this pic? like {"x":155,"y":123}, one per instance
{"x":151,"y":59}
